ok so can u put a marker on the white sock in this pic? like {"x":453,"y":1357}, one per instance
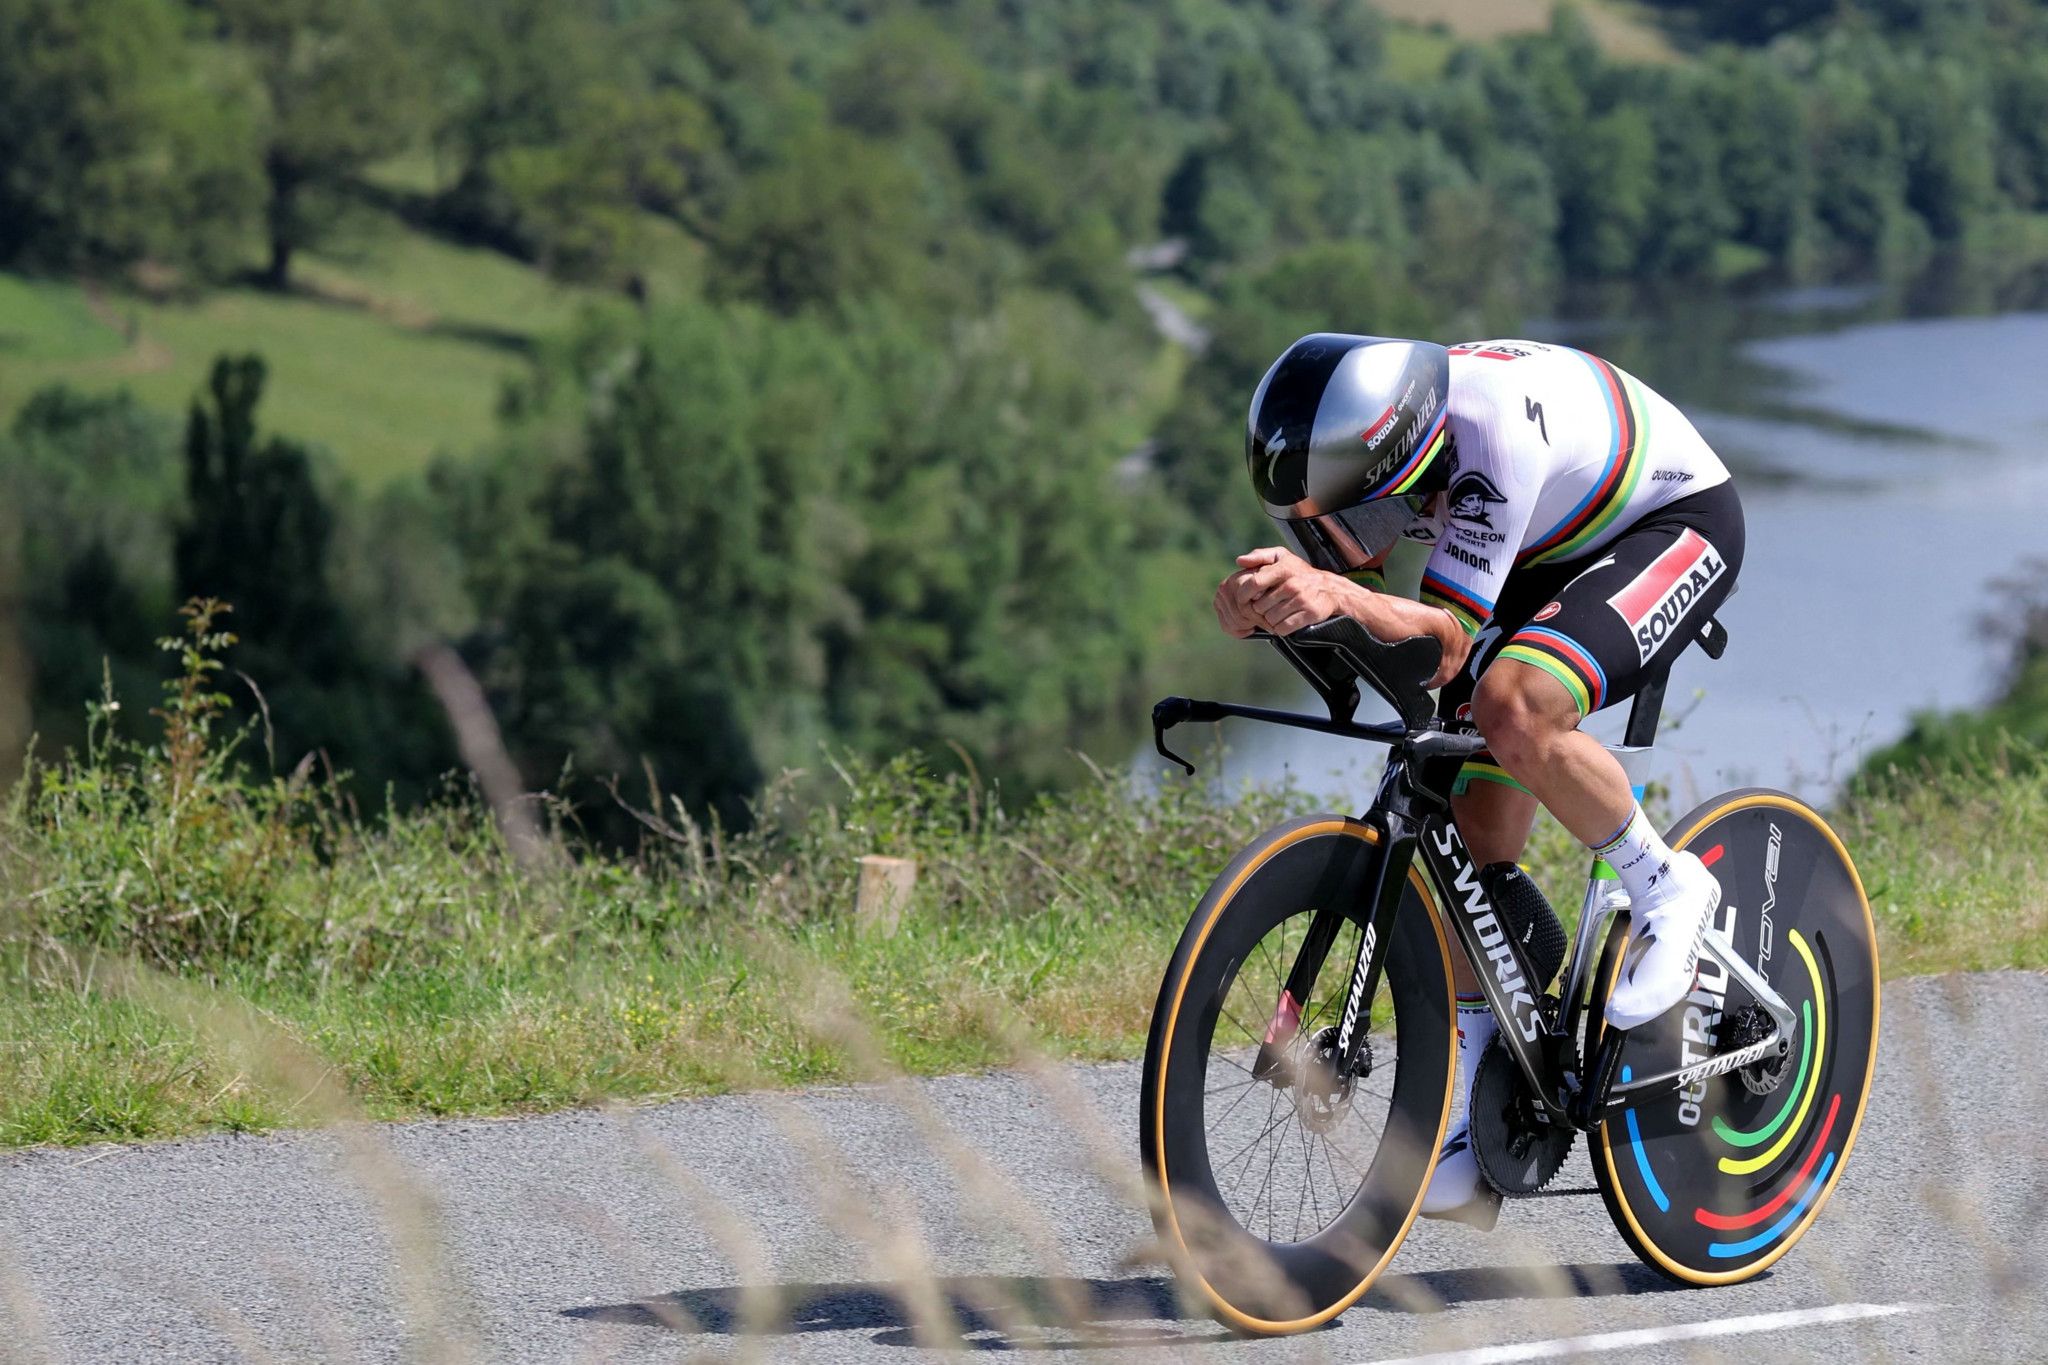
{"x":1476,"y":1027}
{"x":1638,"y":855}
{"x":1457,"y":1181}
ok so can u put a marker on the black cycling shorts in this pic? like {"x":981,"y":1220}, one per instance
{"x":1605,"y":624}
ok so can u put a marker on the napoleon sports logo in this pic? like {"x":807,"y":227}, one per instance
{"x":1659,"y":597}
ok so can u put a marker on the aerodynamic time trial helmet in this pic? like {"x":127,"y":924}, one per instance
{"x":1345,"y":439}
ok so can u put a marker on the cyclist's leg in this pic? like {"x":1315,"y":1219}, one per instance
{"x":1494,"y":814}
{"x":1616,"y":624}
{"x":1494,"y":818}
{"x":1531,"y":722}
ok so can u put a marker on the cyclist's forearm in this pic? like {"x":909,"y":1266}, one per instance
{"x":1396,"y":618}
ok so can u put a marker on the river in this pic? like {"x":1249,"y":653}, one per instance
{"x":1891,"y":445}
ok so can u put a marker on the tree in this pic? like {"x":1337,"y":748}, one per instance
{"x":113,"y":148}
{"x":94,"y":481}
{"x":1947,"y":141}
{"x":1860,"y":180}
{"x":1691,"y":214}
{"x":1608,"y":188}
{"x":341,"y":90}
{"x":835,"y":218}
{"x":2020,"y":89}
{"x":1756,"y":106}
{"x":257,"y":529}
{"x":259,"y":532}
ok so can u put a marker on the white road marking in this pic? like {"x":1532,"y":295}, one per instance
{"x":1645,"y":1337}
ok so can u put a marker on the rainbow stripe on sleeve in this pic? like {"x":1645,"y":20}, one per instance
{"x":1628,"y":413}
{"x":1468,"y":608}
{"x":1373,"y":578}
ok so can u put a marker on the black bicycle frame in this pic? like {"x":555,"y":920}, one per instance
{"x":1412,"y":815}
{"x":1412,"y":812}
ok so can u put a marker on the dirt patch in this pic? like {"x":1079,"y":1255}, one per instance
{"x":1621,"y":35}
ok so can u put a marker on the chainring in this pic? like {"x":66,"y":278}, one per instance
{"x":1517,"y":1151}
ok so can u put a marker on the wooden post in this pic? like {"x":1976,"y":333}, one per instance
{"x":885,"y":887}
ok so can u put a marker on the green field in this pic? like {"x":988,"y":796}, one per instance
{"x":388,"y":354}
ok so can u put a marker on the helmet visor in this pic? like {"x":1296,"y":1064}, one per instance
{"x":1355,"y":537}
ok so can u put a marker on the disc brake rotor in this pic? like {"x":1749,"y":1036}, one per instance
{"x":1517,"y":1151}
{"x":1752,"y":1025}
{"x":1323,"y":1096}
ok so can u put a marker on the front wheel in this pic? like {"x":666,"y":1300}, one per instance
{"x":1713,"y":1183}
{"x":1282,"y":1188}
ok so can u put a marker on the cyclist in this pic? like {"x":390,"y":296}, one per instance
{"x":1581,"y":531}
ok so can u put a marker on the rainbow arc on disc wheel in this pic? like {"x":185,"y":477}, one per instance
{"x":1713,"y":1183}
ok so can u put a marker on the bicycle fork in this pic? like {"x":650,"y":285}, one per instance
{"x":1381,"y":890}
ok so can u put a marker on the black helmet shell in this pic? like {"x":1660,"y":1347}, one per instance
{"x":1340,"y":419}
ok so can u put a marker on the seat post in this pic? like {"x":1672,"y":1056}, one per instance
{"x":1645,"y":713}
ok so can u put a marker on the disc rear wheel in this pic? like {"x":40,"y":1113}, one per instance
{"x":1713,"y":1183}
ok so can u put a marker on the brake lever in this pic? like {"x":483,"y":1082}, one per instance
{"x":1167,"y":713}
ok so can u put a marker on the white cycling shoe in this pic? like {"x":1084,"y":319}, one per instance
{"x":1457,"y":1191}
{"x":1663,"y":958}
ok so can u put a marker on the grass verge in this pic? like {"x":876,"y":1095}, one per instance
{"x":429,"y":971}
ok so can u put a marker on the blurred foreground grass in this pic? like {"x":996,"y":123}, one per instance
{"x":417,"y":965}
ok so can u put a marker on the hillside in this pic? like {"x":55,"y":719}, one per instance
{"x":387,"y":354}
{"x":863,"y":413}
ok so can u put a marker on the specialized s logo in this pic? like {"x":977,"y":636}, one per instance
{"x":1276,"y":446}
{"x":1658,"y":599}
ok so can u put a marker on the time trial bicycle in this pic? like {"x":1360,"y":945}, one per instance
{"x":1300,"y":1068}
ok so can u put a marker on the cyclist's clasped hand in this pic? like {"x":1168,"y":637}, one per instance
{"x":1275,"y":589}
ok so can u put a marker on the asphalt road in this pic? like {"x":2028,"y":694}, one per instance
{"x":855,"y":1220}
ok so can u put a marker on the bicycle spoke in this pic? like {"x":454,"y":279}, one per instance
{"x":1219,"y":1057}
{"x":1300,"y":1198}
{"x":1336,"y":1181}
{"x":1255,"y":1037}
{"x":1244,"y":1088}
{"x":1251,"y":1166}
{"x":1349,"y":1160}
{"x":1342,"y":941}
{"x":1272,"y":1159}
{"x":1253,"y":1143}
{"x":1279,"y":977}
